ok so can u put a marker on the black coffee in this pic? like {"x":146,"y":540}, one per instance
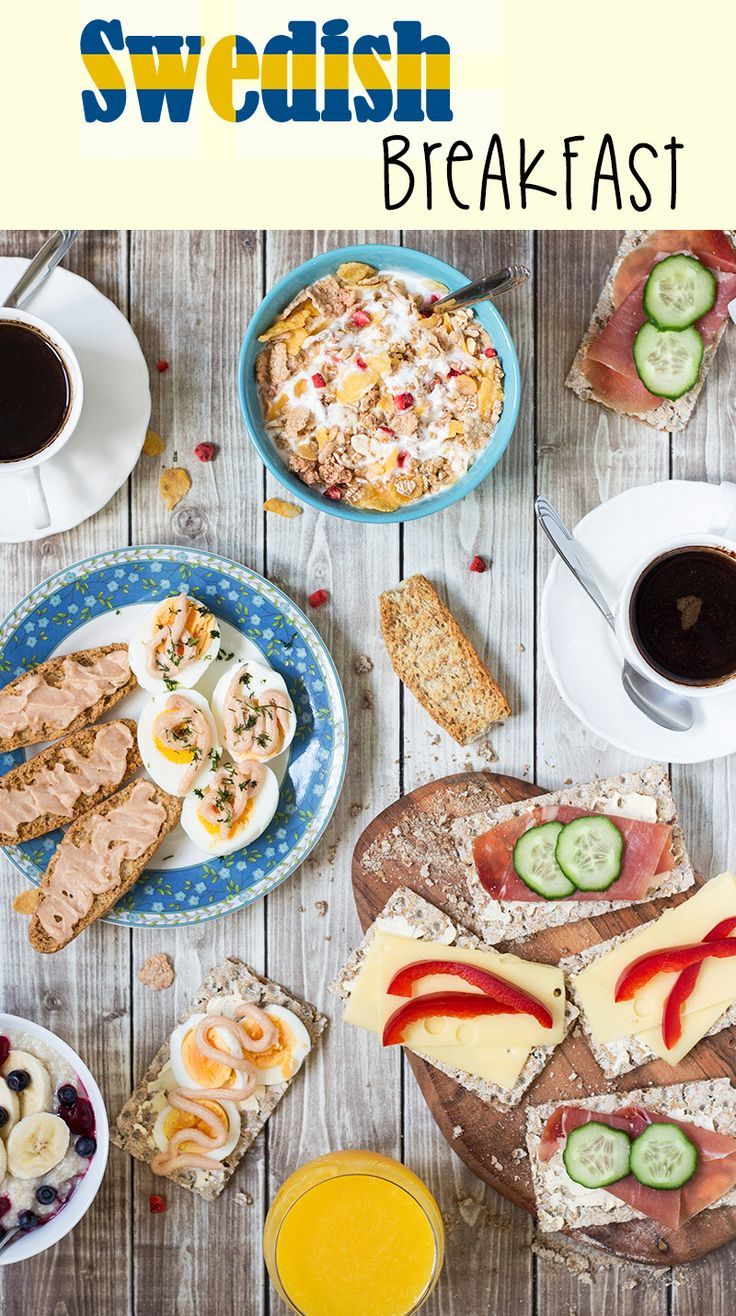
{"x":35,"y":394}
{"x":683,"y":615}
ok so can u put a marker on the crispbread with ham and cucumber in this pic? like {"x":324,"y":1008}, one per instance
{"x":539,"y":862}
{"x":608,"y":367}
{"x":417,"y":973}
{"x":703,"y":1112}
{"x":656,"y":991}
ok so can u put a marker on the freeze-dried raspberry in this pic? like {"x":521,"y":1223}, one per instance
{"x":478,"y":565}
{"x":318,"y":598}
{"x":204,"y":452}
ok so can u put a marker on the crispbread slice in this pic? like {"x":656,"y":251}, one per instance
{"x":410,"y":915}
{"x":130,"y":870}
{"x":26,"y":774}
{"x":512,"y":920}
{"x":434,"y":658}
{"x":621,"y":1056}
{"x":563,"y":1205}
{"x":133,"y":1128}
{"x":668,"y":415}
{"x":52,"y":671}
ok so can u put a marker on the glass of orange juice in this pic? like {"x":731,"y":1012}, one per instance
{"x":353,"y":1232}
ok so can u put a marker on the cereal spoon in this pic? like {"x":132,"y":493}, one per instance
{"x":673,"y":712}
{"x":485,"y":290}
{"x":11,"y":1235}
{"x":45,"y":260}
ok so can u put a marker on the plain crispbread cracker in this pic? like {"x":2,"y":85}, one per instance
{"x":132,"y":1131}
{"x":669,"y":415}
{"x":51,"y":670}
{"x":623,"y":1055}
{"x":130,"y":870}
{"x":412,"y":916}
{"x":512,"y":920}
{"x":25,"y":773}
{"x":561,"y":1205}
{"x":434,"y":658}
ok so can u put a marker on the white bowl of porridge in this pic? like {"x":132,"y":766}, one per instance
{"x":53,"y":1138}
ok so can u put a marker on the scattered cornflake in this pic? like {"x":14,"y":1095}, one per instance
{"x":478,"y":565}
{"x":321,"y":907}
{"x":174,"y":485}
{"x":318,"y":598}
{"x":26,"y":902}
{"x":162,"y":367}
{"x":243,"y":1199}
{"x":154,"y":444}
{"x":205,"y":452}
{"x":157,"y":1204}
{"x":362,"y":664}
{"x":157,"y":972}
{"x":281,"y":508}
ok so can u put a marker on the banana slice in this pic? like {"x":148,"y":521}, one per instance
{"x":3,"y":1160}
{"x":37,"y":1096}
{"x":36,"y":1145}
{"x":9,"y":1103}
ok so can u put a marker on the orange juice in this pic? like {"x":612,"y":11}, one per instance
{"x":354,"y":1232}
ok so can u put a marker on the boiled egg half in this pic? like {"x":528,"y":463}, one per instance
{"x":286,"y":1056}
{"x":170,"y":1120}
{"x":175,"y":645}
{"x":177,"y":739}
{"x":253,"y":711}
{"x":191,"y":1068}
{"x":230,"y":807}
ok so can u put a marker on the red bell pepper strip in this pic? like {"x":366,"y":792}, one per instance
{"x":498,"y":988}
{"x":670,"y":960}
{"x":438,"y":1005}
{"x":685,"y":986}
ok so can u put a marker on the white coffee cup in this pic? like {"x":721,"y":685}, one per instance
{"x":722,"y":535}
{"x":28,"y":469}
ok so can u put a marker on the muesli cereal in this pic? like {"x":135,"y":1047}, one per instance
{"x":372,"y":395}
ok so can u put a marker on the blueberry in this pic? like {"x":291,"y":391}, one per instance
{"x":27,"y":1219}
{"x":85,"y":1146}
{"x":3,"y":1116}
{"x":67,"y":1095}
{"x":46,"y":1194}
{"x":18,"y":1080}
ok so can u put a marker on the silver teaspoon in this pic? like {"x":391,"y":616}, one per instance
{"x":45,"y":260}
{"x":485,"y":290}
{"x":10,"y":1237}
{"x":668,"y":710}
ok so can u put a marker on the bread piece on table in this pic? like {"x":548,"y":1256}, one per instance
{"x":52,"y":672}
{"x":436,"y":661}
{"x":132,"y":1131}
{"x":668,"y":415}
{"x":27,"y":774}
{"x":512,"y":920}
{"x":130,"y":870}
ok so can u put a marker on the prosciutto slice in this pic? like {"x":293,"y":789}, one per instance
{"x":647,"y":854}
{"x":672,"y":1207}
{"x":609,"y":362}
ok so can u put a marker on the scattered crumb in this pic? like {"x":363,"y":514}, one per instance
{"x":367,"y":698}
{"x":486,"y":753}
{"x":243,"y":1199}
{"x":355,"y":809}
{"x":522,"y":648}
{"x":457,"y":1130}
{"x":519,"y":1153}
{"x":331,"y":853}
{"x":321,"y":907}
{"x":157,"y":972}
{"x":496,"y":1164}
{"x":154,"y":444}
{"x":302,"y":909}
{"x":362,"y":664}
{"x":567,"y":781}
{"x":174,"y":485}
{"x":26,"y":902}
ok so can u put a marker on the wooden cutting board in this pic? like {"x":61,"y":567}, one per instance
{"x":409,"y":845}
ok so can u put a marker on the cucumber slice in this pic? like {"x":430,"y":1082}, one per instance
{"x":679,"y":290}
{"x":663,"y":1157}
{"x":590,"y":851}
{"x":596,"y":1155}
{"x":668,"y":361}
{"x":535,"y":863}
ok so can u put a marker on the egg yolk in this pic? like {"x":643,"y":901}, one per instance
{"x":207,"y":1072}
{"x":199,"y":625}
{"x":173,"y":755}
{"x":280,"y":1054}
{"x":214,"y":828}
{"x":181,"y":1119}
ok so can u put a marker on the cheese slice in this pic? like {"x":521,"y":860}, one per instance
{"x":493,"y":1047}
{"x":715,"y":990}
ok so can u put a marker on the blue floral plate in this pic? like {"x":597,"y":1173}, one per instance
{"x":101,"y":600}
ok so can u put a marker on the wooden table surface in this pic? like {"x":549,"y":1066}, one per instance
{"x":189,"y":297}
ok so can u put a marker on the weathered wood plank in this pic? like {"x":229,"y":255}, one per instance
{"x":81,"y":994}
{"x":487,"y":1238}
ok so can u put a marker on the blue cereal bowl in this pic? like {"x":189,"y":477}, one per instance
{"x":383,"y":256}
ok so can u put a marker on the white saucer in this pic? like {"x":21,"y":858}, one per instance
{"x":107,"y":442}
{"x":580,"y":649}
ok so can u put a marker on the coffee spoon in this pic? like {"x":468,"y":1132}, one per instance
{"x":45,"y":260}
{"x":673,"y":712}
{"x":486,"y":289}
